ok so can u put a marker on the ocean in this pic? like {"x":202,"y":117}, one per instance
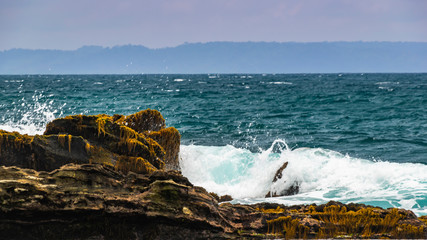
{"x":347,"y":137}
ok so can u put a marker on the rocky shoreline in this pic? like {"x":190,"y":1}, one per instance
{"x":116,"y":177}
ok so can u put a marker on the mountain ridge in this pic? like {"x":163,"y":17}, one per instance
{"x":222,"y":57}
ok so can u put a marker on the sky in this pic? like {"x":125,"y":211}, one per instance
{"x":70,"y":24}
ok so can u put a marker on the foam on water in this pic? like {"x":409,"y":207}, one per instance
{"x":321,"y":174}
{"x":281,"y":83}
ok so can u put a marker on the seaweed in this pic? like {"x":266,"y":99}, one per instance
{"x":135,"y":164}
{"x":288,"y":227}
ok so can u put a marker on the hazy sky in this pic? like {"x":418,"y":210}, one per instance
{"x":58,"y":24}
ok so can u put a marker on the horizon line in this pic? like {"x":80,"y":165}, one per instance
{"x":201,"y":43}
{"x":212,"y":73}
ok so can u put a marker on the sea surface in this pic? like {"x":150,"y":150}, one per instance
{"x":347,"y":137}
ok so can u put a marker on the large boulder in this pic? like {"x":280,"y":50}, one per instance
{"x":142,"y":134}
{"x":103,"y":131}
{"x":138,"y":142}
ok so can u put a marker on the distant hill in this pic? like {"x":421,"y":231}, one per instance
{"x":222,"y":57}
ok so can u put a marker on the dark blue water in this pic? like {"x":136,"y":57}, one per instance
{"x":371,"y":116}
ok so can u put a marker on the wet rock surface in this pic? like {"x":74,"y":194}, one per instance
{"x":109,"y":177}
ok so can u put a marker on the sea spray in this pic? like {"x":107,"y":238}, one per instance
{"x":322,"y":175}
{"x":30,"y":116}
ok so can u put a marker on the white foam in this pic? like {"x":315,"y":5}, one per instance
{"x":281,"y":83}
{"x":387,"y":83}
{"x":321,"y":174}
{"x":230,"y":170}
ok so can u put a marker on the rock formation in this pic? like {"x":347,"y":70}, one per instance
{"x":292,"y":190}
{"x":107,"y":177}
{"x":138,"y":142}
{"x":93,"y":201}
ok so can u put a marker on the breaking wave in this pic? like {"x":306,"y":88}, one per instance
{"x":321,"y":174}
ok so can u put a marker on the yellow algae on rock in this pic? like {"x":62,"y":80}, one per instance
{"x":170,"y":140}
{"x":141,"y":135}
{"x":135,"y":164}
{"x":146,"y":120}
{"x":288,"y":227}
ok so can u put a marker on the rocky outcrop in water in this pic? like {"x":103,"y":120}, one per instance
{"x":107,"y":177}
{"x":292,"y":190}
{"x":138,"y":142}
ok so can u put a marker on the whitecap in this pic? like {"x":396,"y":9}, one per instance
{"x":280,"y":83}
{"x":387,"y":83}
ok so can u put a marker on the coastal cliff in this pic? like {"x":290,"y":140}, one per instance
{"x":117,"y":177}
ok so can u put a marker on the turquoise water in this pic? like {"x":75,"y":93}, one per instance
{"x":347,"y":137}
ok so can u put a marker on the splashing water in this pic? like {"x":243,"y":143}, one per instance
{"x":30,"y":116}
{"x":321,"y":174}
